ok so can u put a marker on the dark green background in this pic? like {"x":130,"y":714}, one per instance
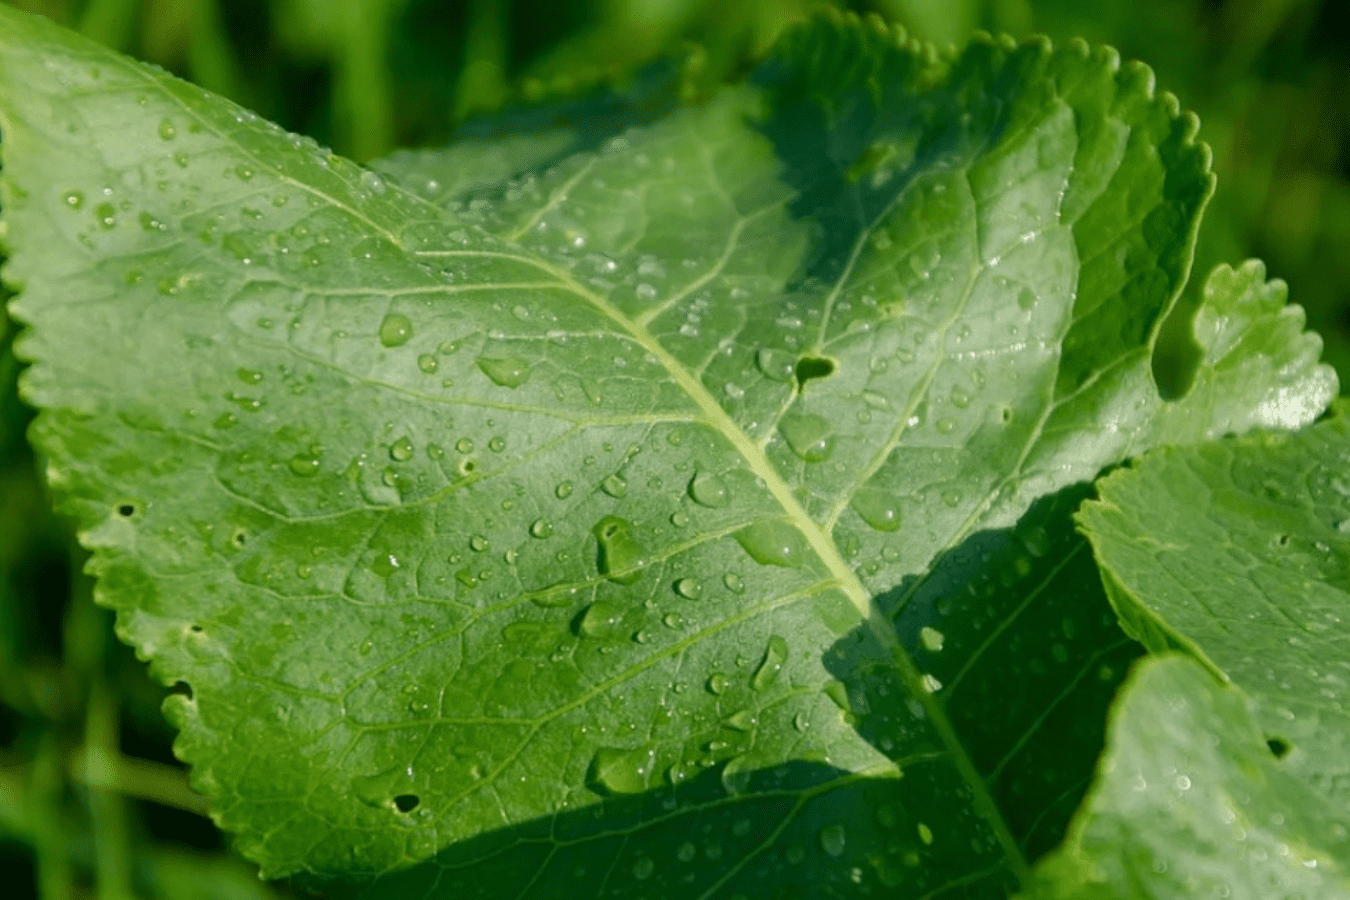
{"x":1267,"y":78}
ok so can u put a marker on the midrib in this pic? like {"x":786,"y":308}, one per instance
{"x":825,"y":548}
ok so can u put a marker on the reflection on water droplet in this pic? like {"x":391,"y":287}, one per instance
{"x":809,"y":436}
{"x":620,"y":556}
{"x":707,"y":489}
{"x":832,"y":840}
{"x":396,"y":330}
{"x":689,"y":588}
{"x":878,"y":508}
{"x":615,"y":770}
{"x":775,"y":655}
{"x":509,"y":372}
{"x":772,"y":543}
{"x":615,"y":486}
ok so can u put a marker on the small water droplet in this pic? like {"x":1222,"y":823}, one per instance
{"x":832,"y":839}
{"x":106,"y":215}
{"x":509,"y":372}
{"x":772,"y":543}
{"x":878,"y":508}
{"x":372,"y":182}
{"x":951,"y":498}
{"x":166,"y":129}
{"x":686,"y":852}
{"x":563,"y":490}
{"x":679,"y":519}
{"x":960,"y":399}
{"x":464,"y":445}
{"x":396,"y":330}
{"x":304,"y":464}
{"x":775,"y":655}
{"x":809,"y":436}
{"x":616,"y":770}
{"x":401,"y":450}
{"x":946,"y":424}
{"x":643,"y":868}
{"x":925,"y":833}
{"x":497,"y":444}
{"x":74,"y":199}
{"x":427,"y":363}
{"x":742,"y":720}
{"x":931,"y":639}
{"x":615,"y":486}
{"x":718,"y":683}
{"x":736,"y":776}
{"x":541,"y":528}
{"x":800,"y":722}
{"x":620,"y":557}
{"x":478,"y":543}
{"x":244,"y":173}
{"x":734,"y":583}
{"x":689,"y":588}
{"x":709,"y":490}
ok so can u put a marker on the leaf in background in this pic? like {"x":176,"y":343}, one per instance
{"x":1238,"y":553}
{"x":553,"y":537}
{"x":1190,"y":803}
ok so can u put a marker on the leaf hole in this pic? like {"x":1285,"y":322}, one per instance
{"x":183,"y":688}
{"x":809,"y":367}
{"x":239,"y":538}
{"x":1006,"y":414}
{"x":195,"y":629}
{"x":126,"y":510}
{"x":1278,"y":746}
{"x":406,"y":803}
{"x":1283,"y":540}
{"x":468,"y":467}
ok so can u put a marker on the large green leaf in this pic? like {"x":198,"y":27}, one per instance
{"x":1246,"y":565}
{"x":598,"y":532}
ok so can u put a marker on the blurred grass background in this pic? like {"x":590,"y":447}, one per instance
{"x":92,"y":803}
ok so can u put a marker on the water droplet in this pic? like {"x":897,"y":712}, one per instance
{"x":74,"y":199}
{"x":679,"y":519}
{"x":601,"y":617}
{"x":244,"y":173}
{"x":672,"y":620}
{"x":736,"y":775}
{"x":497,"y":444}
{"x":931,"y":639}
{"x":643,"y":868}
{"x":832,"y":840}
{"x":878,"y":508}
{"x":733,"y":583}
{"x":925,"y":833}
{"x":106,"y":215}
{"x":541,"y":528}
{"x":800,"y":722}
{"x":707,"y":489}
{"x":946,"y":424}
{"x":951,"y":498}
{"x":960,"y":399}
{"x":775,"y":655}
{"x":686,"y":853}
{"x":689,"y":588}
{"x":810,"y":436}
{"x":401,"y":450}
{"x":930,"y":684}
{"x":304,"y":464}
{"x":563,"y":490}
{"x":615,"y":486}
{"x":777,"y":365}
{"x":478,"y":543}
{"x":772,"y":543}
{"x":742,"y":720}
{"x":620,"y":556}
{"x":1037,"y":541}
{"x":372,"y":182}
{"x":615,"y":770}
{"x":509,"y":372}
{"x":718,"y":683}
{"x":1026,"y":299}
{"x":396,"y":330}
{"x":427,"y":363}
{"x":166,"y":129}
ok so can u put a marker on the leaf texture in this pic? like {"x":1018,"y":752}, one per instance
{"x":588,"y":532}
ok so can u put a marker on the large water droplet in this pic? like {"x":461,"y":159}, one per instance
{"x":689,"y":588}
{"x":810,"y":436}
{"x":401,"y":450}
{"x":718,"y":683}
{"x":772,"y":543}
{"x":600,"y":618}
{"x":709,"y":490}
{"x":832,"y":840}
{"x":615,"y":486}
{"x":616,"y":770}
{"x":509,"y":372}
{"x":541,"y":528}
{"x":931,"y":639}
{"x":775,"y":655}
{"x":878,"y":508}
{"x":776,"y":364}
{"x":396,"y":330}
{"x":620,"y":556}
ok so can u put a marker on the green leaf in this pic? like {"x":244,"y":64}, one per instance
{"x":1238,"y":553}
{"x":580,"y":534}
{"x":1189,"y":802}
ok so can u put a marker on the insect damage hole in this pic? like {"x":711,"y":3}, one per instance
{"x":406,"y":803}
{"x":1278,"y":746}
{"x":809,"y":367}
{"x":126,"y":510}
